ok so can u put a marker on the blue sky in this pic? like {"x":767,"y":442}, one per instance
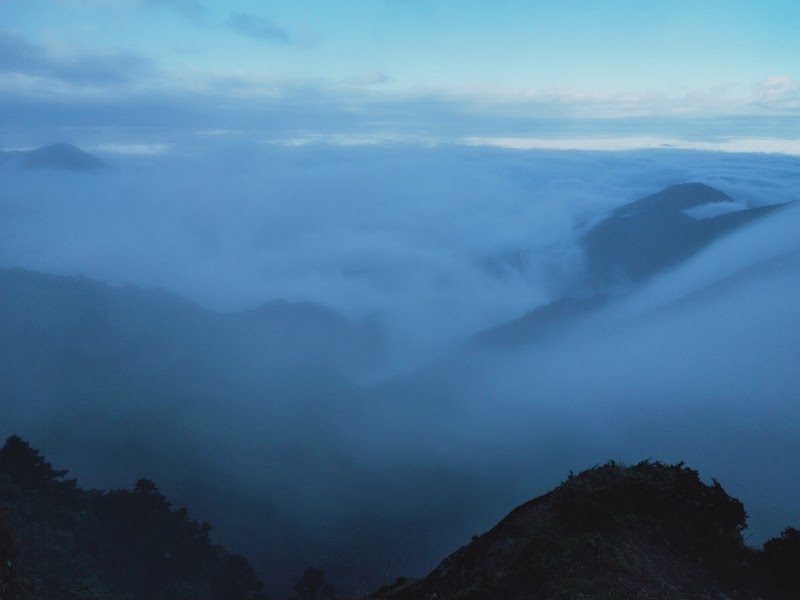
{"x":515,"y":59}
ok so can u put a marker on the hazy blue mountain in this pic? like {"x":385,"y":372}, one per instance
{"x":54,"y":156}
{"x":634,"y":243}
{"x":69,"y":344}
{"x":541,"y":321}
{"x":641,"y":239}
{"x":122,"y":380}
{"x":88,"y":307}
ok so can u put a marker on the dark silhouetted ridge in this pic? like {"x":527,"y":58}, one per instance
{"x":674,"y":198}
{"x":614,"y":532}
{"x":642,"y":238}
{"x":60,"y":541}
{"x":634,"y":243}
{"x":541,"y":321}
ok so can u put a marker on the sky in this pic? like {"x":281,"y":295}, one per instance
{"x":404,"y":68}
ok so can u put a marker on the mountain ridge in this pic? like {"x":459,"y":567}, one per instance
{"x":60,"y":156}
{"x":648,"y":530}
{"x":633,"y":244}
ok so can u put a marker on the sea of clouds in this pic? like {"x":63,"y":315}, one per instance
{"x":434,"y":243}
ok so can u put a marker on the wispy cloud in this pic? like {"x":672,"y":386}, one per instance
{"x":191,"y":9}
{"x":778,"y":92}
{"x":259,"y":28}
{"x":37,"y":84}
{"x":21,"y":57}
{"x":367,"y":79}
{"x":634,"y":142}
{"x":130,"y":149}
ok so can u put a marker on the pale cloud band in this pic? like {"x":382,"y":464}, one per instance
{"x":28,"y":68}
{"x":258,"y":28}
{"x":763,"y":145}
{"x":22,"y":57}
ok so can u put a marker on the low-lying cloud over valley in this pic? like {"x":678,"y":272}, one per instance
{"x":297,"y":336}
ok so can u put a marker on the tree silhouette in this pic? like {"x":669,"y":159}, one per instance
{"x":9,"y":583}
{"x":312,"y":586}
{"x":26,"y":467}
{"x":75,"y":544}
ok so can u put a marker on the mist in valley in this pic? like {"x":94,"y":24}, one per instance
{"x":284,"y":337}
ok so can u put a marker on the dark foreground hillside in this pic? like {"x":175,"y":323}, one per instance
{"x":649,"y":531}
{"x":59,"y":542}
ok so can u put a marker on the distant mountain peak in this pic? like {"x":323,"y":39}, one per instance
{"x":635,"y":242}
{"x":61,"y":156}
{"x":675,"y":198}
{"x":657,"y":232}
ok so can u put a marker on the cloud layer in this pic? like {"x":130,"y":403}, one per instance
{"x":357,"y":228}
{"x":427,"y":245}
{"x":21,"y":57}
